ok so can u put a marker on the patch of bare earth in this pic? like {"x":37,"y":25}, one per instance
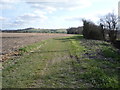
{"x":11,"y":42}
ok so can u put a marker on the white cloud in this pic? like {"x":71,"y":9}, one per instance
{"x":32,"y":17}
{"x":50,"y":9}
{"x":8,"y":1}
{"x":3,"y":18}
{"x":39,"y":12}
{"x":29,"y":16}
{"x":57,"y":1}
{"x":8,"y":4}
{"x":27,"y":19}
{"x":53,"y":5}
{"x":45,"y":8}
{"x":18,"y":22}
{"x":73,"y":18}
{"x":93,"y":17}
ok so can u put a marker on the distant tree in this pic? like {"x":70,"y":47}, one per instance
{"x":109,"y":22}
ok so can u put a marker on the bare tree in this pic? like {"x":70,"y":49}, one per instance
{"x":109,"y":22}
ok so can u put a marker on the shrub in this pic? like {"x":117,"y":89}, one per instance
{"x":92,"y":31}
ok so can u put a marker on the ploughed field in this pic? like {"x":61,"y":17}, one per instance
{"x":13,"y":41}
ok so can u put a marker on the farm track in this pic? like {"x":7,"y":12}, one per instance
{"x":11,"y":42}
{"x":69,"y":62}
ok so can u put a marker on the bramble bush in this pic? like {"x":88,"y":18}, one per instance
{"x":92,"y":31}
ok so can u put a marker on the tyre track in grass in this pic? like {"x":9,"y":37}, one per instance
{"x":60,"y":70}
{"x":59,"y":53}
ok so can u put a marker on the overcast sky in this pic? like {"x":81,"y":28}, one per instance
{"x":16,"y":14}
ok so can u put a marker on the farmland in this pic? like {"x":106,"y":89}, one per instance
{"x":13,"y":41}
{"x":63,"y":61}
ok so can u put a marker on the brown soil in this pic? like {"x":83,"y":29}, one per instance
{"x":12,"y":41}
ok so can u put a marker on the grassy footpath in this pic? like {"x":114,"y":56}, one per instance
{"x":63,"y":63}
